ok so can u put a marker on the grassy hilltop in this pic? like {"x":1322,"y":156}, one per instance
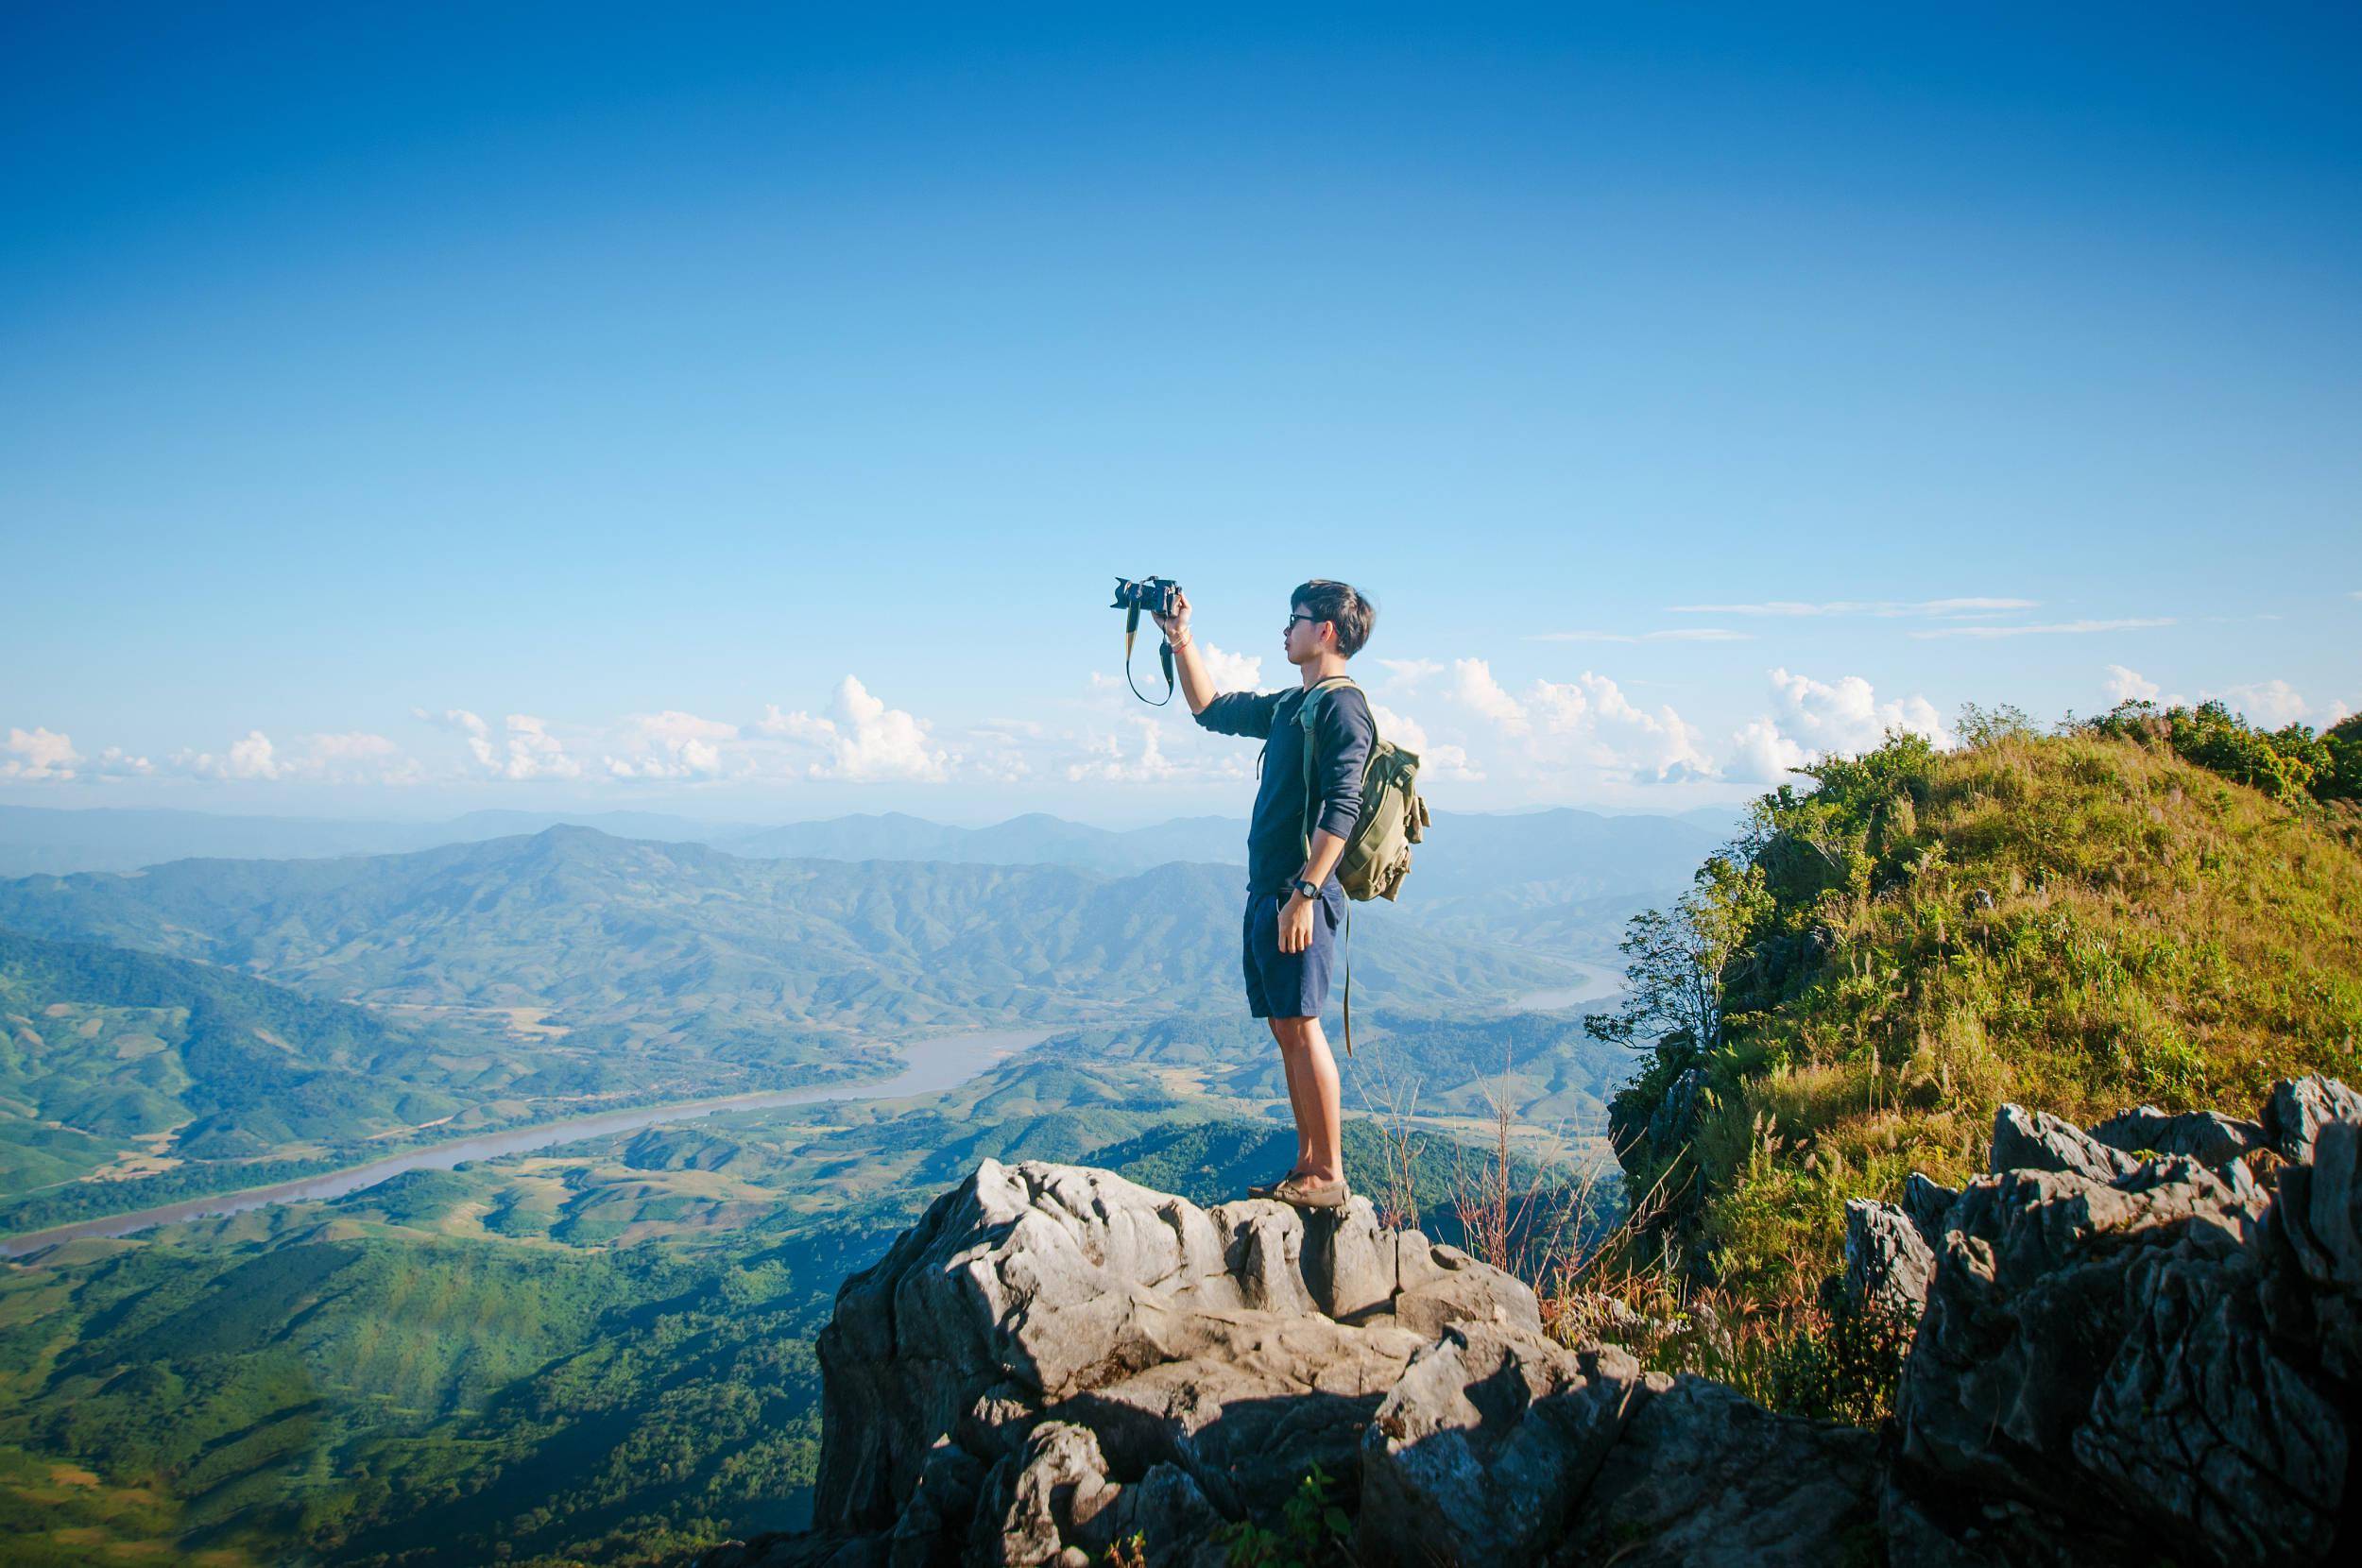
{"x":2150,"y":908}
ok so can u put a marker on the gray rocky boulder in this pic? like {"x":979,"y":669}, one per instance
{"x":2096,"y":1356}
{"x":1704,"y":1477}
{"x":2300,"y":1107}
{"x":2036,"y":1140}
{"x":2209,"y":1137}
{"x":1888,"y":1263}
{"x":1054,"y":1358}
{"x":1483,"y":1449}
{"x":2118,"y":1358}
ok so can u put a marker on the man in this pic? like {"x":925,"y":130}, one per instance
{"x":1294,"y":900}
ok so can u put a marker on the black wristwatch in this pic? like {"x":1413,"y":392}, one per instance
{"x":1306,"y":889}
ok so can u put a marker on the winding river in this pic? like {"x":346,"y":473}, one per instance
{"x":945,"y":1062}
{"x":933,"y":1065}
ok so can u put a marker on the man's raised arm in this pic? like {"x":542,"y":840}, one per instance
{"x":1197,"y":682}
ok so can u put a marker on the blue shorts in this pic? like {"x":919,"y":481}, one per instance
{"x":1290,"y":985}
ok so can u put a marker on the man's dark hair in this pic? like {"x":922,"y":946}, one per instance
{"x":1342,"y":603}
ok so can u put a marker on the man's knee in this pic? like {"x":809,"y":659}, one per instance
{"x":1293,"y":1032}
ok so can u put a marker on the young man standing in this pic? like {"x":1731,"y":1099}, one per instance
{"x":1294,"y":900}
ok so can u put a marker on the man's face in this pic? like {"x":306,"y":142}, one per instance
{"x":1303,"y":637}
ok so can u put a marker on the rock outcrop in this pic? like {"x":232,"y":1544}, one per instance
{"x":2123,"y":1358}
{"x":2129,"y":1349}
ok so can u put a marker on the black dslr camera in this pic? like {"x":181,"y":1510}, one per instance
{"x":1157,"y":596}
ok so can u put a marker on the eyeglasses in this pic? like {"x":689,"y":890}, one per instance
{"x":1293,"y":619}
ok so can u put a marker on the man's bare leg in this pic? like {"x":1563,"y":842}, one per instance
{"x":1319,"y":1114}
{"x":1290,"y":1062}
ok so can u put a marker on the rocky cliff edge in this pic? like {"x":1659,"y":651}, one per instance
{"x":2139,"y":1343}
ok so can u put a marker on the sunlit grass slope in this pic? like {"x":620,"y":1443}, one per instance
{"x":2076,"y":923}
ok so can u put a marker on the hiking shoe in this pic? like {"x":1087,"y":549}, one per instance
{"x":1266,"y":1189}
{"x":1305,"y":1193}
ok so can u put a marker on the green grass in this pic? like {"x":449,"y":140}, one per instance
{"x":2077,"y":923}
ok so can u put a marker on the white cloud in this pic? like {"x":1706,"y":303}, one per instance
{"x":1107,"y":762}
{"x":1232,"y":671}
{"x":40,"y":755}
{"x":1588,"y":722}
{"x":1764,"y":755}
{"x":531,"y":751}
{"x":116,"y":762}
{"x":1437,"y":759}
{"x":672,"y":744}
{"x":2128,"y":686}
{"x":1885,"y":608}
{"x":2061,"y":628}
{"x":252,"y":758}
{"x":1474,"y":688}
{"x":2268,"y":704}
{"x":534,"y":752}
{"x":862,"y":737}
{"x":1404,"y":675}
{"x":1825,"y":719}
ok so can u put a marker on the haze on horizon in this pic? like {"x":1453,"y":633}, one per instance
{"x":742,"y":413}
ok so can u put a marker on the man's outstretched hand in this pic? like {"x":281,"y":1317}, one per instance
{"x":1176,"y":625}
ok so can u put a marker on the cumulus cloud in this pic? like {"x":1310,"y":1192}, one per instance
{"x":2129,"y":686}
{"x":251,"y":757}
{"x":1107,"y":760}
{"x":1587,"y":721}
{"x":1405,"y":675}
{"x":528,"y":750}
{"x":1232,"y":671}
{"x":1474,"y":688}
{"x":862,"y":737}
{"x":672,"y":744}
{"x":38,"y":756}
{"x":1437,"y":759}
{"x":1764,"y":755}
{"x":2270,"y":704}
{"x":1819,"y":718}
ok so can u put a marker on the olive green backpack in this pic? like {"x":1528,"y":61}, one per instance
{"x":1378,"y":854}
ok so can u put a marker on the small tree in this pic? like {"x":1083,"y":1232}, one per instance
{"x":1676,"y":958}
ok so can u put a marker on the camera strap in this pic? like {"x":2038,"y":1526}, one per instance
{"x":1164,"y":657}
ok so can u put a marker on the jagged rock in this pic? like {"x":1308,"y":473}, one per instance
{"x":1670,"y":1124}
{"x":2300,"y":1107}
{"x":1927,"y":1202}
{"x":1350,"y":1264}
{"x":1483,"y":1448}
{"x":1442,"y":1286}
{"x":2095,"y":1350}
{"x":1052,"y":1350}
{"x":2117,"y":1360}
{"x":2319,"y":1218}
{"x":1888,"y":1262}
{"x":1704,"y":1477}
{"x":2036,"y":1140}
{"x":2209,"y":1137}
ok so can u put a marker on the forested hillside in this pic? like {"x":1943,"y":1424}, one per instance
{"x":682,"y":946}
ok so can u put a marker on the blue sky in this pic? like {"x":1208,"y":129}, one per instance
{"x":744,"y":410}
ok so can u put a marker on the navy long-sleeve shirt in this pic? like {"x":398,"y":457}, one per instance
{"x":1277,"y":833}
